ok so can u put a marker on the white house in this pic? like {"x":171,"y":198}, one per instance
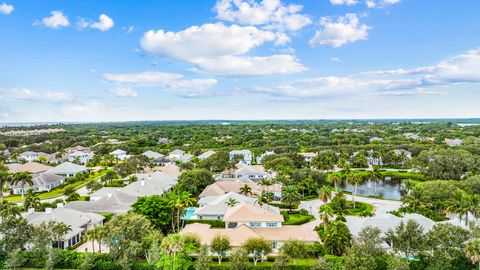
{"x":31,"y":156}
{"x":176,"y":154}
{"x":206,"y":155}
{"x":247,"y":156}
{"x":80,"y":156}
{"x":453,"y":142}
{"x":262,"y":156}
{"x":67,"y":169}
{"x":308,"y":156}
{"x":119,"y":154}
{"x":253,"y":172}
{"x":79,"y":222}
{"x":41,"y":182}
{"x":152,"y":154}
{"x":185,"y":158}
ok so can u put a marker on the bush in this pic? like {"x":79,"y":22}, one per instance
{"x":73,"y":197}
{"x":296,"y":218}
{"x":68,"y":190}
{"x":115,"y":183}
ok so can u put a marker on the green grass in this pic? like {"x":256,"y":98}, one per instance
{"x":58,"y":191}
{"x":393,"y":174}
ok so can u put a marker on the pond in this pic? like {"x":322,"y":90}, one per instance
{"x":388,"y":188}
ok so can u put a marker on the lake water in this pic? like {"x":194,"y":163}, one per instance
{"x":389,"y":188}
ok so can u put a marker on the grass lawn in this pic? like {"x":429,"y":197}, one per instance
{"x":393,"y":174}
{"x":57,"y":192}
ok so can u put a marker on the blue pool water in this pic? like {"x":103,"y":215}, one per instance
{"x":188,"y":213}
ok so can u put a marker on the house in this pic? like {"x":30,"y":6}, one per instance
{"x":247,"y":156}
{"x":176,"y":154}
{"x":260,"y":158}
{"x":31,"y":156}
{"x":308,"y":156}
{"x":41,"y":182}
{"x":403,"y":152}
{"x":376,"y":139}
{"x":185,"y":158}
{"x":30,"y":167}
{"x":412,"y":136}
{"x":152,"y":155}
{"x":119,"y":154}
{"x":119,"y":200}
{"x":256,"y":173}
{"x":67,"y":169}
{"x":215,"y":207}
{"x":453,"y":142}
{"x":206,"y":155}
{"x":79,"y":222}
{"x":245,"y":221}
{"x":163,"y":161}
{"x":223,"y":186}
{"x":80,"y":156}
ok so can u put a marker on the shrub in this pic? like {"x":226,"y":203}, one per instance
{"x":214,"y":222}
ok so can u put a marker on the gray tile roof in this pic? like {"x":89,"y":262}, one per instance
{"x":67,"y":168}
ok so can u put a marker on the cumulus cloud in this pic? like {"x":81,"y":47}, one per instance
{"x":380,"y":3}
{"x":37,"y":96}
{"x":271,"y":14}
{"x":343,"y":2}
{"x":344,"y":30}
{"x":56,"y":20}
{"x":6,"y":9}
{"x":104,"y":23}
{"x":123,"y":92}
{"x":169,"y":80}
{"x":396,"y":82}
{"x":219,"y":49}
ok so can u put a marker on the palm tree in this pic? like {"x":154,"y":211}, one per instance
{"x":246,"y":190}
{"x":8,"y":209}
{"x":180,"y":200}
{"x":334,"y":179}
{"x":267,"y":196}
{"x":22,"y":178}
{"x":354,"y":178}
{"x":231,"y":202}
{"x":290,"y":196}
{"x":326,"y":213}
{"x":472,"y":250}
{"x":325,"y":194}
{"x":375,"y":176}
{"x":414,"y":199}
{"x":32,"y":200}
{"x":463,"y":204}
{"x":5,"y":177}
{"x":171,"y":245}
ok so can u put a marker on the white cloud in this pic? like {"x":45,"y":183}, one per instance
{"x":335,"y":60}
{"x":271,"y":14}
{"x":343,"y":2}
{"x":396,"y":82}
{"x":169,"y":80}
{"x":123,"y":92}
{"x":344,"y":30}
{"x":219,"y":49}
{"x":37,"y":96}
{"x":6,"y":9}
{"x":57,"y":20}
{"x":380,"y":3}
{"x":104,"y":23}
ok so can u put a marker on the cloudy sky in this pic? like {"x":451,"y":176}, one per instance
{"x":238,"y":59}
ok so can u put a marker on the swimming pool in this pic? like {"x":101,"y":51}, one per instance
{"x":189,"y":213}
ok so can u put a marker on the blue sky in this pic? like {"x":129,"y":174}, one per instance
{"x":238,"y":59}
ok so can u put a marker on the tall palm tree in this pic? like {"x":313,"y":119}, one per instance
{"x":325,"y":214}
{"x":472,"y":250}
{"x":375,"y":176}
{"x":231,"y":202}
{"x":5,"y":177}
{"x":22,"y":178}
{"x":334,"y":179}
{"x":354,"y":178}
{"x":267,"y":196}
{"x":32,"y":200}
{"x":325,"y":194}
{"x":246,"y":190}
{"x":180,"y":200}
{"x":8,"y":209}
{"x":463,"y":204}
{"x":414,"y":199}
{"x":290,"y":196}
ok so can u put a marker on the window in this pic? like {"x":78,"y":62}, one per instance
{"x":255,"y":224}
{"x":271,"y":224}
{"x":274,"y":245}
